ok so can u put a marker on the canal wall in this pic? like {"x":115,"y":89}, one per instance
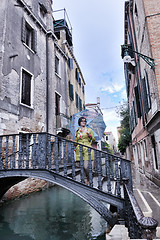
{"x":26,"y":187}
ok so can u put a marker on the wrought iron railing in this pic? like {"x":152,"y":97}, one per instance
{"x":46,"y":151}
{"x":138,"y":225}
{"x":109,"y":173}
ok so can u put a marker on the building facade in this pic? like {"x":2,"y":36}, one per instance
{"x":39,"y":91}
{"x":142,"y":75}
{"x":110,"y":139}
{"x":38,"y":81}
{"x":70,"y":82}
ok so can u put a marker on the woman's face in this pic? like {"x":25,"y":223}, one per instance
{"x":83,"y":122}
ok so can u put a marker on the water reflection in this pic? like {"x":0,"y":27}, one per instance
{"x":55,"y":214}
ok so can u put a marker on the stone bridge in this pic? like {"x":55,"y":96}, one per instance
{"x":51,"y":158}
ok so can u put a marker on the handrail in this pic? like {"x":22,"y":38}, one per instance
{"x":43,"y":150}
{"x":17,"y":152}
{"x":139,"y":226}
{"x":65,"y":140}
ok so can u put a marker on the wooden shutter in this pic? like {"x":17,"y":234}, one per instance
{"x":83,"y":88}
{"x":72,"y":96}
{"x":69,"y":85}
{"x":76,"y":100}
{"x":71,"y":91}
{"x":23,"y":30}
{"x":80,"y":104}
{"x":134,"y":113}
{"x":147,"y":90}
{"x":144,"y":95}
{"x":34,"y":41}
{"x":70,"y":63}
{"x":137,"y":102}
{"x":77,"y":74}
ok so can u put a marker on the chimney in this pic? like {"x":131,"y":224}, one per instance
{"x":98,"y":101}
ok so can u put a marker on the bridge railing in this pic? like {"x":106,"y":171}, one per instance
{"x":47,"y":151}
{"x":108,"y":173}
{"x":139,"y":226}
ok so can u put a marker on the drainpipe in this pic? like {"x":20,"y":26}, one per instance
{"x":47,"y":84}
{"x":138,"y":71}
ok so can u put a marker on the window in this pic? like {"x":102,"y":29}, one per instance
{"x":26,"y":88}
{"x":154,"y":151}
{"x":70,"y":63}
{"x":137,"y":25}
{"x":133,"y":119}
{"x":137,"y":101}
{"x":77,"y":100}
{"x":77,"y":74}
{"x":136,"y":11}
{"x":80,"y":104}
{"x":42,"y":12}
{"x":71,"y":91}
{"x":145,"y":149}
{"x":57,"y":65}
{"x":147,"y":90}
{"x":80,"y":81}
{"x":146,"y":93}
{"x":83,"y":88}
{"x":57,"y":104}
{"x":29,"y":35}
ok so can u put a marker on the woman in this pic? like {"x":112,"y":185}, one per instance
{"x":84,"y":136}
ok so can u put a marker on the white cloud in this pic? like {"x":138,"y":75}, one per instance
{"x":124,"y":94}
{"x":112,"y":121}
{"x":109,"y":115}
{"x":113,"y":87}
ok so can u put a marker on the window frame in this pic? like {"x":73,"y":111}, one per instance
{"x":77,"y":74}
{"x":147,"y":89}
{"x":70,"y":63}
{"x":31,"y":88}
{"x":57,"y":67}
{"x":80,"y":103}
{"x":26,"y":26}
{"x":57,"y":104}
{"x":42,"y":12}
{"x":71,"y":91}
{"x":77,"y":100}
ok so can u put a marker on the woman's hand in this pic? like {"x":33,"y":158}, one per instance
{"x":89,"y":135}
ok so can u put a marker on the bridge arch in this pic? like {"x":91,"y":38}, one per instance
{"x":10,"y":178}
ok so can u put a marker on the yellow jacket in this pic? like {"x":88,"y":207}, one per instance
{"x":85,"y":138}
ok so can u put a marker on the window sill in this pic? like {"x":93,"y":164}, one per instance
{"x":57,"y":75}
{"x":28,"y":48}
{"x":24,"y":105}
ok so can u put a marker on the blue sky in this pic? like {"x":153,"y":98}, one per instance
{"x":98,"y":32}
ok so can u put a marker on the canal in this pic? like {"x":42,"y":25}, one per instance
{"x":53,"y":214}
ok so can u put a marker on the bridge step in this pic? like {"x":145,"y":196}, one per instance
{"x":118,"y":232}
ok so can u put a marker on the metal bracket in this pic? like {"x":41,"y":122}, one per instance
{"x":148,"y":60}
{"x":127,"y":50}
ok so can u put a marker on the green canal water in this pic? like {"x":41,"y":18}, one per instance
{"x":54,"y":214}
